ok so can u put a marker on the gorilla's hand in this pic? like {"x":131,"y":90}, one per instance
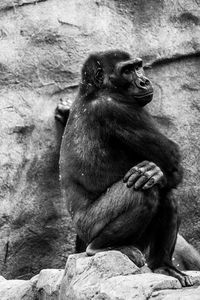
{"x":144,"y":175}
{"x":62,"y":111}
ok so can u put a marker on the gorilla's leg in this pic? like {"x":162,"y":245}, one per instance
{"x":165,"y":228}
{"x":80,"y":245}
{"x":117,"y":219}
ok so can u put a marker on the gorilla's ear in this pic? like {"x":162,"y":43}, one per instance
{"x":99,"y":77}
{"x":92,"y":72}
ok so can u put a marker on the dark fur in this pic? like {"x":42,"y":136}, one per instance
{"x":107,"y":134}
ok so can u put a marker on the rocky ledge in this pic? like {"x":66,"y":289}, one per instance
{"x":105,"y":276}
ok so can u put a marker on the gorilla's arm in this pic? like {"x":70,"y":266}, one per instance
{"x":155,"y":148}
{"x":137,"y":131}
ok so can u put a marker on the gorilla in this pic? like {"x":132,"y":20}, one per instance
{"x":117,"y":169}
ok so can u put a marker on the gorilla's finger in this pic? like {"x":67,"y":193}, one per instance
{"x":153,"y":180}
{"x":132,"y":179}
{"x":62,"y":107}
{"x":148,"y":167}
{"x":146,"y":175}
{"x":142,"y":164}
{"x":139,"y":169}
{"x":133,"y":170}
{"x":140,"y":182}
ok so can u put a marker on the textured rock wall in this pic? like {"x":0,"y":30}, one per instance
{"x":43,"y":45}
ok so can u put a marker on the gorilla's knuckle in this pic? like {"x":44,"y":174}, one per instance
{"x":135,"y":168}
{"x":138,"y":170}
{"x":161,"y":173}
{"x":157,"y":169}
{"x":147,"y":175}
{"x":152,"y":164}
{"x":146,"y":162}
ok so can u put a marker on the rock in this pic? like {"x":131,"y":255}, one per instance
{"x":131,"y":287}
{"x":185,"y":256}
{"x":109,"y":275}
{"x":34,"y":279}
{"x":44,"y":286}
{"x":17,"y":290}
{"x":48,"y":284}
{"x":102,"y":265}
{"x":195,"y":276}
{"x":2,"y":278}
{"x":40,"y":59}
{"x":183,"y":294}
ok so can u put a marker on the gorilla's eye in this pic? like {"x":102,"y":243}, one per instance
{"x":127,"y":71}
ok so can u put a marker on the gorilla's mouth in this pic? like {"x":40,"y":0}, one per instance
{"x":144,"y":99}
{"x":144,"y":95}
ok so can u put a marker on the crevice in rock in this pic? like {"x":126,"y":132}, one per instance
{"x":67,"y":88}
{"x":68,"y":24}
{"x":175,"y":58}
{"x":6,"y":252}
{"x":20,"y":4}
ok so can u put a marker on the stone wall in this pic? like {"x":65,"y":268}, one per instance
{"x":43,"y":45}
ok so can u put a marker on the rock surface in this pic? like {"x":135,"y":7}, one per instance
{"x":111,"y":275}
{"x":184,"y":294}
{"x":44,"y":286}
{"x":17,"y":290}
{"x":43,"y":45}
{"x":106,"y":276}
{"x":48,"y":284}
